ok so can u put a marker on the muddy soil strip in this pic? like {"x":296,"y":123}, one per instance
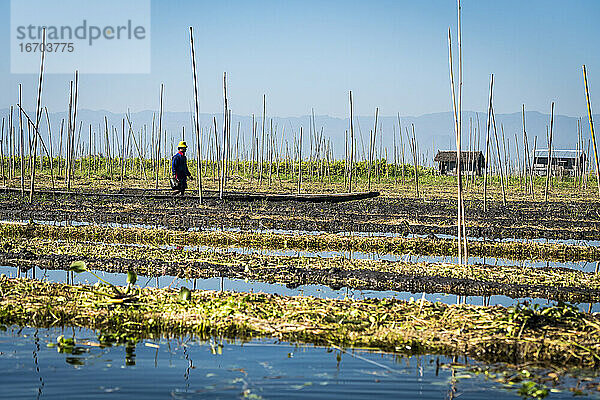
{"x":526,"y":220}
{"x":576,"y":287}
{"x":400,"y":227}
{"x":555,"y":334}
{"x":324,"y":242}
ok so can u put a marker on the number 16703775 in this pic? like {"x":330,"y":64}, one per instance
{"x":52,"y":47}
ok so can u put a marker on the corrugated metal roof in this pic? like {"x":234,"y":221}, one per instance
{"x":558,"y":153}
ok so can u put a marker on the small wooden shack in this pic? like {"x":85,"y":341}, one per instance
{"x":563,"y":162}
{"x":472,"y":162}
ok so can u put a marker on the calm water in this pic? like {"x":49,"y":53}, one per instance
{"x":188,"y":368}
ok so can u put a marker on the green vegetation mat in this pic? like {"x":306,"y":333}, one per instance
{"x":556,"y":334}
{"x":327,"y":242}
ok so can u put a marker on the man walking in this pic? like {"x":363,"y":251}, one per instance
{"x":180,"y":170}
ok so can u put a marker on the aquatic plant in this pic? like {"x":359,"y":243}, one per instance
{"x":118,"y":296}
{"x":392,"y":325}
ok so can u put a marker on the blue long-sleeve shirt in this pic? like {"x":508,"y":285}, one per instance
{"x":179,"y":166}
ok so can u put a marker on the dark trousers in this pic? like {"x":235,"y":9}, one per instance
{"x":178,"y":186}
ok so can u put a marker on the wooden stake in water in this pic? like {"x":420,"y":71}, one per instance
{"x":2,"y":153}
{"x":300,"y":161}
{"x":262,"y":143}
{"x":122,"y":152}
{"x":21,"y":143}
{"x":589,"y":107}
{"x":196,"y":118}
{"x":499,"y":158}
{"x":373,"y":137}
{"x":458,"y":131}
{"x":415,"y":159}
{"x":548,"y":168}
{"x":351,"y":144}
{"x":225,"y":124}
{"x":531,"y":167}
{"x":51,"y":151}
{"x":38,"y":113}
{"x":487,"y":144}
{"x":159,"y":133}
{"x":460,"y":84}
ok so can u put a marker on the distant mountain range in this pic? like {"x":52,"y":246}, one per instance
{"x":433,"y":131}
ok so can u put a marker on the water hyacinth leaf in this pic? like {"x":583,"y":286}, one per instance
{"x":78,"y":266}
{"x":131,"y":277}
{"x":63,"y":341}
{"x":184,"y":294}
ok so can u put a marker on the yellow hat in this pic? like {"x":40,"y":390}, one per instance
{"x":182,"y":144}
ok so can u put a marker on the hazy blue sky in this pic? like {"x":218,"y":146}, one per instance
{"x":303,"y":54}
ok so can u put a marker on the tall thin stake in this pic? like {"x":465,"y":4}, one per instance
{"x":196,"y":118}
{"x":38,"y":113}
{"x":21,"y":144}
{"x":548,"y":168}
{"x":589,"y":107}
{"x":159,"y":133}
{"x":351,"y":144}
{"x":487,"y":144}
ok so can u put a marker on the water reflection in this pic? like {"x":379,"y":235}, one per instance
{"x":320,"y":291}
{"x":36,"y":351}
{"x":258,"y":368}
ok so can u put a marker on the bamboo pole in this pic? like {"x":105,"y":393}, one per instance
{"x":76,"y":147}
{"x":499,"y":159}
{"x":2,"y":153}
{"x":108,"y":152}
{"x":262,"y":143}
{"x":457,"y":131}
{"x":271,"y":145}
{"x":21,"y":144}
{"x":518,"y":165}
{"x":415,"y":159}
{"x":139,"y":147}
{"x":531,"y":170}
{"x":51,"y":152}
{"x":122,"y":152}
{"x":225,"y":123}
{"x":525,"y":150}
{"x":487,"y":144}
{"x":68,"y":138}
{"x":589,"y":107}
{"x":372,"y":136}
{"x":11,"y":159}
{"x":401,"y":147}
{"x":395,"y":148}
{"x":159,"y":134}
{"x":506,"y":171}
{"x":300,"y":161}
{"x":73,"y":127}
{"x":460,"y":84}
{"x":548,"y":168}
{"x":38,"y":113}
{"x":578,"y":149}
{"x":351,"y":144}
